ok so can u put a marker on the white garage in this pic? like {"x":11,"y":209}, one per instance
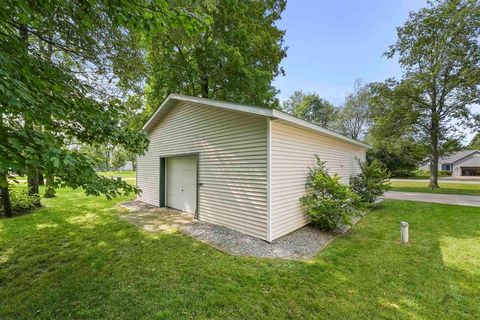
{"x":239,"y":166}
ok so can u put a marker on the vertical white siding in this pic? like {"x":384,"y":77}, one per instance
{"x":292,"y":152}
{"x":232,"y":149}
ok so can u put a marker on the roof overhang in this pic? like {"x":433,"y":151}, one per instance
{"x":259,"y":111}
{"x":466,"y":155}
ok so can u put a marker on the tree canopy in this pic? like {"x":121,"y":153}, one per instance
{"x":74,"y":76}
{"x":438,"y":49}
{"x":475,"y":143}
{"x":57,"y":64}
{"x":235,"y":58}
{"x":310,"y":107}
{"x":353,"y":119}
{"x":393,"y":138}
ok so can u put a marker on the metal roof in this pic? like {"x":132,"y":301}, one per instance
{"x":260,"y":111}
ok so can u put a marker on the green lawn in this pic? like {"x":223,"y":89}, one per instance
{"x":124,"y":174}
{"x":129,"y":175}
{"x":75,"y":259}
{"x":448,"y":188}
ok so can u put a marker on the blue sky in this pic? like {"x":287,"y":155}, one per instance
{"x":333,"y":42}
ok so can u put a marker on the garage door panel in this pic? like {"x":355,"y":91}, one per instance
{"x":182,"y":183}
{"x":470,"y":170}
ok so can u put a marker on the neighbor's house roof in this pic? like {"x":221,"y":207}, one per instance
{"x":459,"y":155}
{"x":454,"y":157}
{"x":260,"y":111}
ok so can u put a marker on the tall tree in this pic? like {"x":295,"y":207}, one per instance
{"x":438,"y":49}
{"x":353,"y":119}
{"x":45,"y":102}
{"x":394,"y":139}
{"x":310,"y":107}
{"x":234,"y":59}
{"x":475,"y":143}
{"x":400,"y":157}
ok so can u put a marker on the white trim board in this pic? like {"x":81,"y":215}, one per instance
{"x":269,"y":180}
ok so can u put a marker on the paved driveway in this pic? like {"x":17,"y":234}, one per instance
{"x":473,"y":201}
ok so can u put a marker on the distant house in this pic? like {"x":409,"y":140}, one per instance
{"x":461,"y":163}
{"x":128,"y":166}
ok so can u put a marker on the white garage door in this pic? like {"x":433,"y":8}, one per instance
{"x":182,"y":183}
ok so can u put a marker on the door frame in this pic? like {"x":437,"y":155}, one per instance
{"x":163,"y":178}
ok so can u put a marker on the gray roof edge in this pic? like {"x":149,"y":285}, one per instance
{"x":447,"y":160}
{"x":466,"y":155}
{"x":261,"y":111}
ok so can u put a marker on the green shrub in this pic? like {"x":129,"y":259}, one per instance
{"x":420,"y":174}
{"x":21,"y":201}
{"x":370,"y":183}
{"x":426,"y":174}
{"x":402,"y":174}
{"x":329,"y":202}
{"x":444,"y":173}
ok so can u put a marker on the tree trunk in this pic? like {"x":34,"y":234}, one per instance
{"x":204,"y":88}
{"x":49,"y":188}
{"x":108,"y":156}
{"x":32,"y":178}
{"x":5,"y":196}
{"x":434,"y":132}
{"x":47,"y":54}
{"x":41,"y":181}
{"x":134,"y":164}
{"x":24,"y":34}
{"x":204,"y":81}
{"x":4,"y":192}
{"x":32,"y":181}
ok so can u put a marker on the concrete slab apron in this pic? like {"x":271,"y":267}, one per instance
{"x":462,"y":200}
{"x":153,"y":219}
{"x":301,"y":244}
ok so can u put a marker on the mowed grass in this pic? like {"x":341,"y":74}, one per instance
{"x":76,"y":259}
{"x":128,"y":175}
{"x":446,"y":188}
{"x":124,"y":174}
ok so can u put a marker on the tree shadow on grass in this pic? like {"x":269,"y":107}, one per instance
{"x":114,"y":270}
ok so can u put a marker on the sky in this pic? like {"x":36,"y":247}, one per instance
{"x":333,"y":42}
